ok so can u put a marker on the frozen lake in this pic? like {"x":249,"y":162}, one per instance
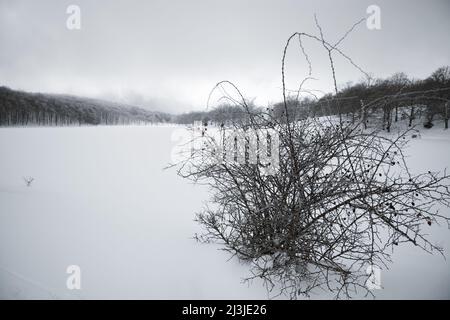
{"x":101,"y":200}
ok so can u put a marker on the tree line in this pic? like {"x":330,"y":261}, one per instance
{"x":18,"y":108}
{"x":379,"y":101}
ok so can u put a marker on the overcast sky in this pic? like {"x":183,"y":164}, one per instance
{"x":169,"y":54}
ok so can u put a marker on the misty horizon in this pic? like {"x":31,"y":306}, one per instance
{"x":167,"y":56}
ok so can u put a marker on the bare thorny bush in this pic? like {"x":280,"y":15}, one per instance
{"x":337,"y":201}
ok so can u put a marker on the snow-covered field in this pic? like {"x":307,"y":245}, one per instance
{"x":101,"y":200}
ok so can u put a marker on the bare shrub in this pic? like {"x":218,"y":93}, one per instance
{"x":28,"y":181}
{"x":340,"y":197}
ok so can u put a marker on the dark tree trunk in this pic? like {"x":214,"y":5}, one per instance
{"x":446,"y":115}
{"x":396,"y":113}
{"x":411,"y":116}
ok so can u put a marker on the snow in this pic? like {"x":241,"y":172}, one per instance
{"x":101,"y":200}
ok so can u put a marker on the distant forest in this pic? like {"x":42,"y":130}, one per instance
{"x":19,"y":108}
{"x":382,"y":101}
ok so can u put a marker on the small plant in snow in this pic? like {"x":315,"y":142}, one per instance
{"x":28,"y":181}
